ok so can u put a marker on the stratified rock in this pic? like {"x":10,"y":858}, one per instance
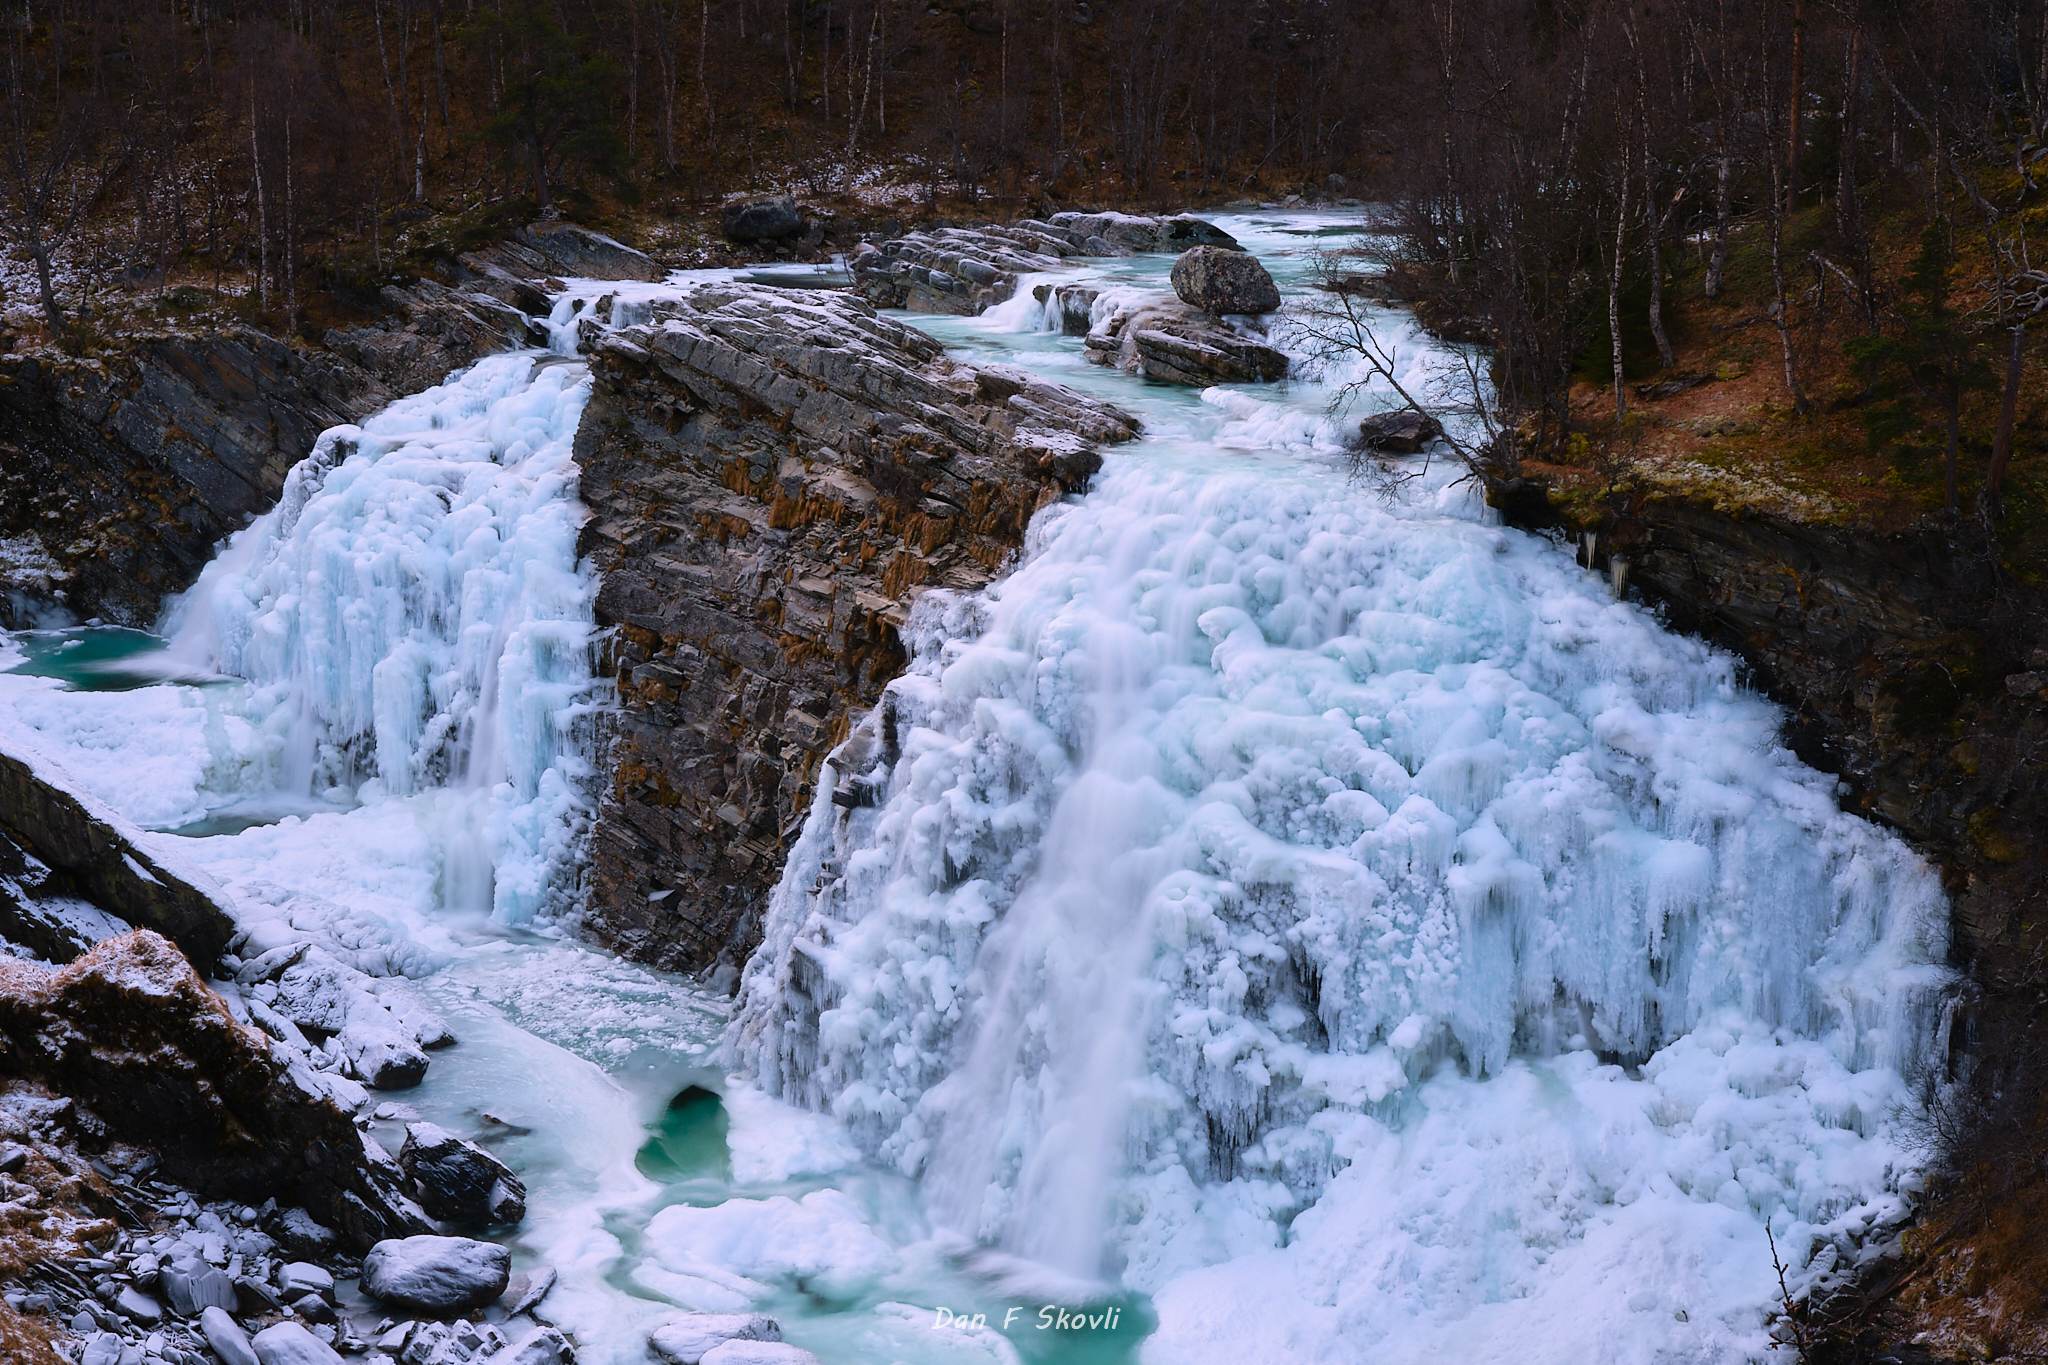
{"x":1404,"y":431}
{"x":1219,"y":280}
{"x":580,"y":252}
{"x":773,"y":476}
{"x":684,"y":1340}
{"x":440,"y":1275}
{"x":774,"y":219}
{"x":128,"y":470}
{"x":458,"y":1181}
{"x":1170,"y":341}
{"x":192,"y":1286}
{"x":287,"y":1343}
{"x":88,"y":853}
{"x":133,"y":1034}
{"x":964,"y":270}
{"x":431,"y":329}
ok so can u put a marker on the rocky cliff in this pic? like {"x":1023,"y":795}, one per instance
{"x":773,"y":475}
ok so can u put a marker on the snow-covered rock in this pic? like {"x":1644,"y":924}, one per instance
{"x":758,"y":1353}
{"x":288,"y":1343}
{"x":436,"y":1274}
{"x":458,"y":1181}
{"x":685,"y":1340}
{"x":227,"y":1338}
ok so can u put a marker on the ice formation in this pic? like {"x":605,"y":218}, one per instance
{"x":1345,"y":921}
{"x":411,"y":616}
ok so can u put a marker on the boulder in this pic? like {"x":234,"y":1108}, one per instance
{"x":287,"y":1343}
{"x":541,"y":1346}
{"x":580,"y":252}
{"x":1404,"y":431}
{"x":226,"y":1338}
{"x":774,"y":219}
{"x":193,"y":1286}
{"x":1175,"y":343}
{"x":439,"y":1275}
{"x":686,"y":1339}
{"x":758,"y":1353}
{"x":1218,"y":280}
{"x":458,"y":1181}
{"x":89,"y":853}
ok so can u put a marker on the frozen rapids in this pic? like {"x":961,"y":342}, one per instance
{"x":1279,"y":922}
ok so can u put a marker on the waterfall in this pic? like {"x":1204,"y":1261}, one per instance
{"x":411,"y":616}
{"x":1264,"y":870}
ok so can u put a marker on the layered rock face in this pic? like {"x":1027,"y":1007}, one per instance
{"x":127,"y":471}
{"x":773,"y":476}
{"x":964,"y":270}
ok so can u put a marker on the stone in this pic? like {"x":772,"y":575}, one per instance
{"x":458,"y":1181}
{"x":299,"y":1232}
{"x":684,"y":1340}
{"x":541,"y":1346}
{"x":91,"y":853}
{"x":1403,"y":431}
{"x":104,"y":1349}
{"x":767,"y":468}
{"x":136,"y":1306}
{"x":303,"y":1277}
{"x":774,"y":219}
{"x":526,"y":1296}
{"x":191,"y":1287}
{"x":758,"y":1353}
{"x":431,"y":1274}
{"x":288,"y":1343}
{"x":225,"y":1337}
{"x":1176,"y":343}
{"x":1218,"y":280}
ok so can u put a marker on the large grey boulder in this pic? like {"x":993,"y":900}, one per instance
{"x":1218,"y":280}
{"x":287,"y":1343}
{"x":458,"y":1181}
{"x":429,"y":1274}
{"x":226,"y":1338}
{"x":1176,"y":343}
{"x":774,"y":219}
{"x":685,"y":1340}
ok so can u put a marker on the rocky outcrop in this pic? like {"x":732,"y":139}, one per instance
{"x":1218,"y":280}
{"x":1164,"y":339}
{"x":127,"y":470}
{"x":773,"y":476}
{"x":431,"y":329}
{"x":131,"y":1033}
{"x":68,"y":865}
{"x":964,"y":270}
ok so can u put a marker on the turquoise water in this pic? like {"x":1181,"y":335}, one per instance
{"x":94,"y":658}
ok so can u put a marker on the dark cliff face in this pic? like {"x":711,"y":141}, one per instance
{"x":127,"y":471}
{"x":1909,"y":665}
{"x":773,"y":475}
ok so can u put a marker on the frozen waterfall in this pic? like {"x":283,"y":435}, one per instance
{"x":1346,"y":922}
{"x":411,"y":616}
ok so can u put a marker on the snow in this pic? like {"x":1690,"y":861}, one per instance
{"x":822,"y":1241}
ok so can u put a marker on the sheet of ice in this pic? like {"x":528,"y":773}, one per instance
{"x":1344,"y":920}
{"x":412,"y":616}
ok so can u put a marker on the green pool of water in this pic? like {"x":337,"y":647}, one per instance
{"x":94,"y":658}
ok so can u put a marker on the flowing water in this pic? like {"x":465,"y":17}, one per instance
{"x":1298,"y":923}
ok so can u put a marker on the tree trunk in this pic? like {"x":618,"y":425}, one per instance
{"x":1796,"y":103}
{"x":1655,"y":225}
{"x":46,"y":288}
{"x":2008,"y":413}
{"x":1614,"y":292}
{"x":1717,"y":259}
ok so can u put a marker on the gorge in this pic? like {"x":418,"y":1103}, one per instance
{"x":1128,"y":863}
